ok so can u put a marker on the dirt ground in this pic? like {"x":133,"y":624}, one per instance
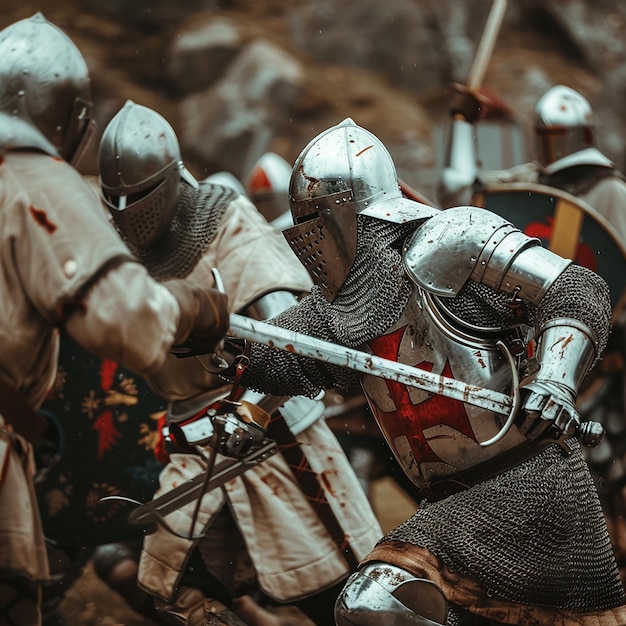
{"x":91,"y":603}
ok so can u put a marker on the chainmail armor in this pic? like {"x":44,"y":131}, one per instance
{"x":578,"y":293}
{"x":372,"y":299}
{"x":482,"y":306}
{"x":195,"y":225}
{"x":508,"y":533}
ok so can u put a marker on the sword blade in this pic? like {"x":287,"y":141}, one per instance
{"x":335,"y":354}
{"x":189,"y":491}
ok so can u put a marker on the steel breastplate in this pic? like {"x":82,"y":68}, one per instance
{"x":433,"y":436}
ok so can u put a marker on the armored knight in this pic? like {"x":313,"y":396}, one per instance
{"x":63,"y":266}
{"x":510,"y":528}
{"x":565,"y":151}
{"x":290,"y":515}
{"x":570,"y":160}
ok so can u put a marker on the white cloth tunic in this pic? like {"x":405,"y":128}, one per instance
{"x":290,"y":548}
{"x":55,"y":243}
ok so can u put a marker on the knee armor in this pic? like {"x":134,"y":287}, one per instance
{"x":381,"y":593}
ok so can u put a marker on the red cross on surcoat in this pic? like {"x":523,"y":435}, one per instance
{"x":409,"y":419}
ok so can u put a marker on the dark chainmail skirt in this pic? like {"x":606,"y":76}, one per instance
{"x":533,"y":535}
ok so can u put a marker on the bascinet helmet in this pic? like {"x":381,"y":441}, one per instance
{"x":563,"y":124}
{"x":45,"y":92}
{"x":342,"y":172}
{"x":140,"y":170}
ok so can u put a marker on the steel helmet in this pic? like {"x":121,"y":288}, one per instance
{"x":45,"y":92}
{"x":140,"y":169}
{"x":344,"y":171}
{"x":563,"y":124}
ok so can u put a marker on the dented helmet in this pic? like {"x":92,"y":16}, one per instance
{"x":343,"y":172}
{"x":140,"y":170}
{"x":45,"y":91}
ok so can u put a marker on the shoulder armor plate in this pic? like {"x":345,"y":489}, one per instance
{"x":441,"y":255}
{"x":465,"y":243}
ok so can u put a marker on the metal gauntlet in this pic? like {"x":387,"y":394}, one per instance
{"x":566,"y":349}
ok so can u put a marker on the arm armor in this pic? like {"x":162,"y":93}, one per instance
{"x":566,"y":349}
{"x":273,"y":371}
{"x":572,"y":327}
{"x":299,"y":411}
{"x":470,"y":243}
{"x":579,"y":294}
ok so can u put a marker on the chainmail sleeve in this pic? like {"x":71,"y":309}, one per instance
{"x":276,"y":372}
{"x":370,"y":301}
{"x":580,"y":294}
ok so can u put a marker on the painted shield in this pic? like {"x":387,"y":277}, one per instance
{"x":100,"y":442}
{"x":566,"y":225}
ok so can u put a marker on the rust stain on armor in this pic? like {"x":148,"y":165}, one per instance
{"x":364,"y":150}
{"x":42,"y":219}
{"x":290,"y":348}
{"x":561,"y":344}
{"x":1,"y":160}
{"x":311,"y":181}
{"x":383,"y":572}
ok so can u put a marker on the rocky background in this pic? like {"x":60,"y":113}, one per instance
{"x":237,"y":78}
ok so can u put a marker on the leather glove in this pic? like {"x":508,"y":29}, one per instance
{"x":549,"y":410}
{"x":204,"y":317}
{"x":471,"y":106}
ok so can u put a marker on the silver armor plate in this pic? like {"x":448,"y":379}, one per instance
{"x":481,"y":246}
{"x":430,"y":435}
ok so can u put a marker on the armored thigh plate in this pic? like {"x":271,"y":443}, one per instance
{"x":381,"y":593}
